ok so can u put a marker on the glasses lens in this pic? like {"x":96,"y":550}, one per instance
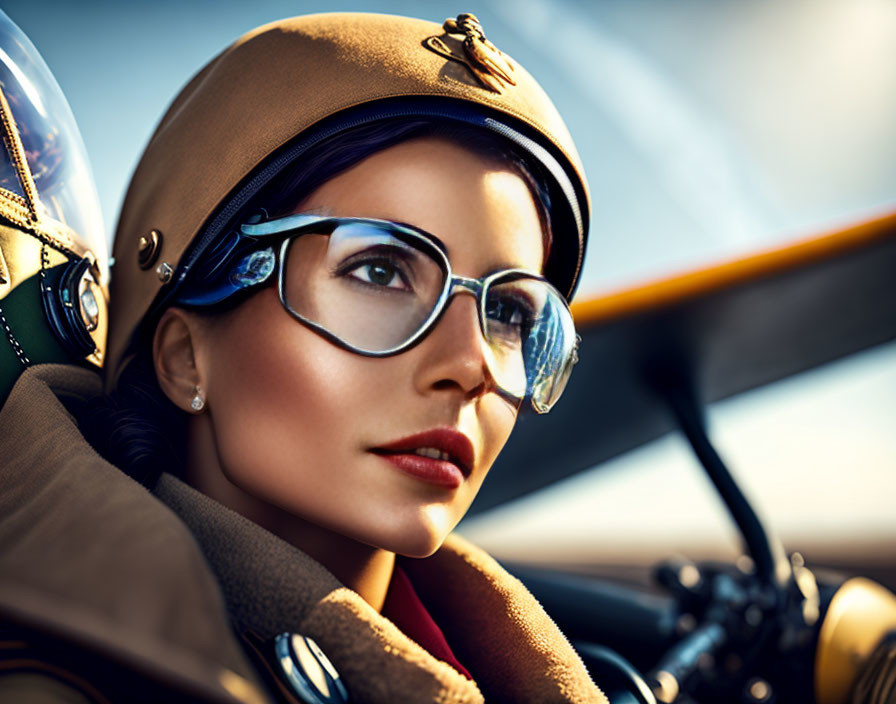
{"x":531,"y":337}
{"x":372,"y":286}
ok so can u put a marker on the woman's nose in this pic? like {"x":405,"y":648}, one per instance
{"x":454,"y":351}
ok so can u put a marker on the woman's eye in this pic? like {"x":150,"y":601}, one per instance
{"x":509,"y":312}
{"x":379,"y":274}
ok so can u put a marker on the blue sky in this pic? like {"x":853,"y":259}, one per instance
{"x":707,"y":128}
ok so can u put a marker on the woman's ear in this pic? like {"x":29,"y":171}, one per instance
{"x":175,"y":348}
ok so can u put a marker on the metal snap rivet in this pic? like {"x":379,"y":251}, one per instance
{"x":308,"y":671}
{"x":165,"y":272}
{"x":148,"y":248}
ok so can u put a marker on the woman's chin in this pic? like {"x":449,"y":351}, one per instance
{"x":421,"y":549}
{"x":410,"y":540}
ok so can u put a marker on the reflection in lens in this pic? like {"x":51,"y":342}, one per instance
{"x":371,"y":286}
{"x":511,"y":310}
{"x":531,"y":339}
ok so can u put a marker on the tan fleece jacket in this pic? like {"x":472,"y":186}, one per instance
{"x":91,"y":561}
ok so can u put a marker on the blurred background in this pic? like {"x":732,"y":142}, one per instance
{"x":709,"y":129}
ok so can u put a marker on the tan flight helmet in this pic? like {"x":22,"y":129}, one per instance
{"x":53,"y":252}
{"x":281,"y":89}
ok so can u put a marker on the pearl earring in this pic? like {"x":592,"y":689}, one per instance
{"x":198,"y":402}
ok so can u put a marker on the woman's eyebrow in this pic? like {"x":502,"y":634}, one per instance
{"x":321,"y":210}
{"x":442,"y":246}
{"x":428,"y":235}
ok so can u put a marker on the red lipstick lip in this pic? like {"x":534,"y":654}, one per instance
{"x":448,"y":440}
{"x":441,"y":473}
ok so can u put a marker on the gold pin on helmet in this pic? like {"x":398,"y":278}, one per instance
{"x":53,"y":265}
{"x":491,"y":67}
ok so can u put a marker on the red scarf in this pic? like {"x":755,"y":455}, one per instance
{"x":404,"y":608}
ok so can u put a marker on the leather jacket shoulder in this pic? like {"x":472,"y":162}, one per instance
{"x":93,"y":569}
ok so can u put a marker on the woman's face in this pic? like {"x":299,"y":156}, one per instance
{"x":333,"y":437}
